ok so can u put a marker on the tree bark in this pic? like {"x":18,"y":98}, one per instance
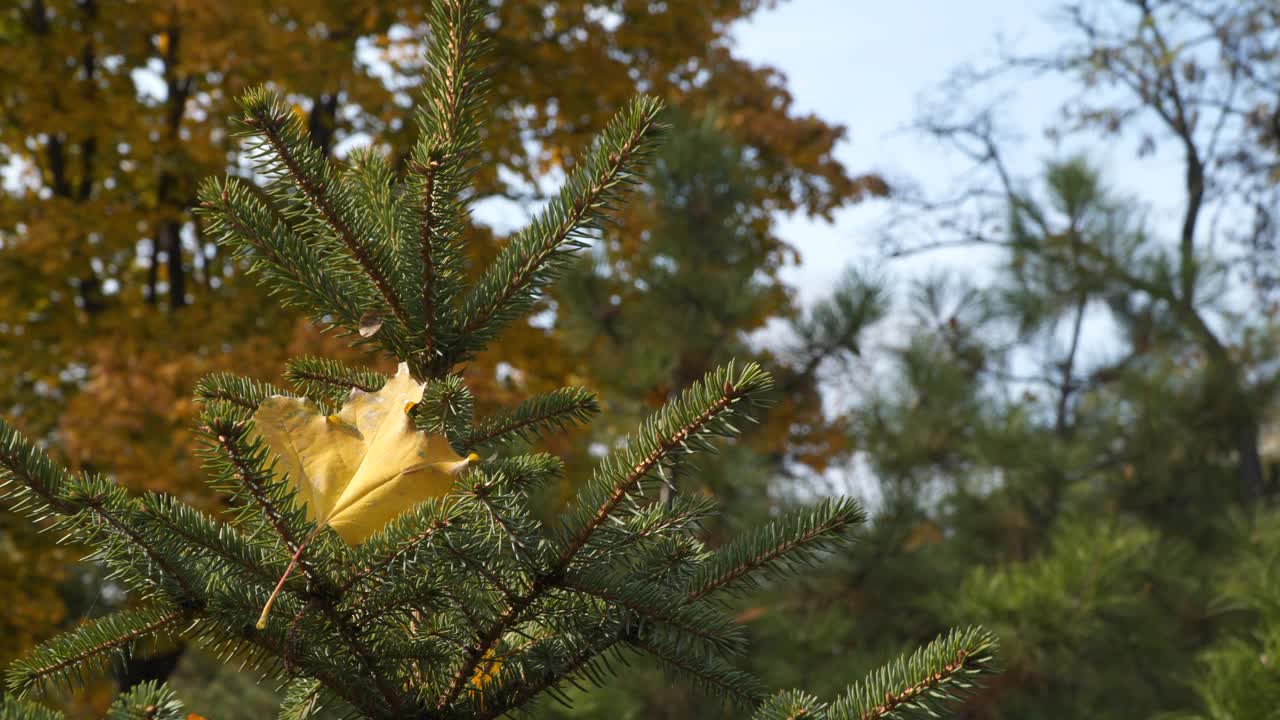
{"x":177,"y":275}
{"x":322,"y":122}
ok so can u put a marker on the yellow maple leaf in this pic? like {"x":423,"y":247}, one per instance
{"x":360,"y":468}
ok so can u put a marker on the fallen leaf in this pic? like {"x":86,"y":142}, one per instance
{"x":360,"y":468}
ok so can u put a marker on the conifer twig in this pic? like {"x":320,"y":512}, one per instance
{"x":90,"y":643}
{"x":541,"y":413}
{"x":793,"y":538}
{"x":426,"y":243}
{"x":508,"y":285}
{"x":931,"y":676}
{"x":316,"y":191}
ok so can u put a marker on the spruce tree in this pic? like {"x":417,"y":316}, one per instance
{"x":379,"y":556}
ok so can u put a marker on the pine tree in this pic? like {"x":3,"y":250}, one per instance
{"x":1069,"y":492}
{"x":1237,"y":677}
{"x":461,"y":605}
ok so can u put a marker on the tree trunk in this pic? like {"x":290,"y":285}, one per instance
{"x":153,"y":268}
{"x":177,"y":277}
{"x":1249,"y":469}
{"x":322,"y":123}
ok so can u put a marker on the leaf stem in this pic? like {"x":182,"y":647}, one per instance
{"x":262,"y":619}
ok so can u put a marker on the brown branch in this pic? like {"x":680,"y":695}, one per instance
{"x":892,"y":701}
{"x":428,"y":265}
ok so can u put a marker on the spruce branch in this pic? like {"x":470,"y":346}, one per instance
{"x":90,"y":510}
{"x":275,"y":502}
{"x":108,"y":520}
{"x":554,"y":672}
{"x":685,"y":425}
{"x":90,"y":648}
{"x":323,"y":283}
{"x":446,"y":408}
{"x":695,"y":624}
{"x":405,"y":545}
{"x":480,"y":569}
{"x":302,"y":699}
{"x":660,"y":521}
{"x":506,"y":514}
{"x":147,"y":701}
{"x":919,"y":686}
{"x":525,"y":472}
{"x":240,"y":469}
{"x":31,"y":481}
{"x":682,"y":426}
{"x":778,"y":548}
{"x":375,"y":201}
{"x":453,"y":87}
{"x":707,"y":671}
{"x":328,"y":380}
{"x":246,"y":463}
{"x":287,"y":150}
{"x":670,"y":560}
{"x":538,"y":253}
{"x":791,"y":705}
{"x":241,"y":392}
{"x":330,"y":665}
{"x":427,"y":233}
{"x":12,"y":708}
{"x":233,"y":557}
{"x":553,"y":411}
{"x":440,"y":170}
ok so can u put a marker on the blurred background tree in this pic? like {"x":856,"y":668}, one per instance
{"x":1070,"y":446}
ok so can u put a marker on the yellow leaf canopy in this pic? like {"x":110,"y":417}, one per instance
{"x":360,"y":468}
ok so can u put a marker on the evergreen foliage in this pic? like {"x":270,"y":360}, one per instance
{"x":1059,"y":447}
{"x":465,"y":606}
{"x":1236,"y":677}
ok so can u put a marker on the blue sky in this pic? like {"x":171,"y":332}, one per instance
{"x":866,"y":64}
